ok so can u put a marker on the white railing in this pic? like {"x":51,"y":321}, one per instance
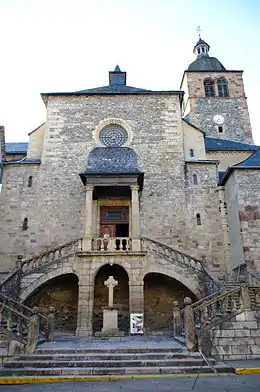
{"x":112,"y":244}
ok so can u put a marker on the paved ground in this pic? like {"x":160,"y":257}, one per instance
{"x":250,"y":383}
{"x":73,"y":342}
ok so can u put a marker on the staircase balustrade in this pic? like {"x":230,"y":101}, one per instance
{"x":51,"y":256}
{"x":112,"y":244}
{"x":23,"y":324}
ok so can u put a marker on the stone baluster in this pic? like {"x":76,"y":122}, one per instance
{"x":33,"y":332}
{"x":9,"y":322}
{"x":19,"y":327}
{"x":87,"y":239}
{"x":189,"y":325}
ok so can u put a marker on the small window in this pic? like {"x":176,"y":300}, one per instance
{"x":198,"y":50}
{"x":209,"y":87}
{"x":195,"y":179}
{"x":25,"y":224}
{"x":30,"y":179}
{"x":220,"y":129}
{"x":191,"y":153}
{"x":198,"y":218}
{"x":203,"y":49}
{"x":222,"y":87}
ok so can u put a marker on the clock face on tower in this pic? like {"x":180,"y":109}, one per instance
{"x":218,"y":119}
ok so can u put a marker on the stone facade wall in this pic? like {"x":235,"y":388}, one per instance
{"x":234,"y":108}
{"x":243,"y":205}
{"x":55,"y":203}
{"x":238,"y":338}
{"x":201,"y":198}
{"x":248,"y":196}
{"x":36,"y":143}
{"x":2,"y":142}
{"x":233,"y":221}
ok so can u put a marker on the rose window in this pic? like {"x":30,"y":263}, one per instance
{"x":113,"y":135}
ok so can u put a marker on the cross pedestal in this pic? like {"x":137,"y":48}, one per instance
{"x":110,"y":315}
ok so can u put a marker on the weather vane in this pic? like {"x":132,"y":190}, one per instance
{"x":198,"y":30}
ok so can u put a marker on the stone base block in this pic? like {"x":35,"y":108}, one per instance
{"x":115,"y":333}
{"x":110,"y":322}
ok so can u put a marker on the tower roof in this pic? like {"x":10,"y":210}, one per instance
{"x":204,"y":62}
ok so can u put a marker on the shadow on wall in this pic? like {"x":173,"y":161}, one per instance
{"x":160,"y":292}
{"x":62,"y":293}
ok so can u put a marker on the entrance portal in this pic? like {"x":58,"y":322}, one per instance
{"x":160,"y":292}
{"x":121,"y":297}
{"x":114,"y":222}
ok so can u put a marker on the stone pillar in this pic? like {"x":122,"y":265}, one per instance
{"x":136,"y":297}
{"x":87,"y":239}
{"x":189,"y":325}
{"x":177,"y":322}
{"x":33,"y":332}
{"x":135,"y":218}
{"x":85,"y":307}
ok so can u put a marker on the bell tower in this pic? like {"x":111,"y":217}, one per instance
{"x":215,"y":98}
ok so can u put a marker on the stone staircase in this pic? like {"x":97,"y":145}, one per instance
{"x":126,"y":356}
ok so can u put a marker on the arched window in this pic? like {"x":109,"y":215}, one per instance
{"x":30,"y":179}
{"x":191,"y":153}
{"x":198,"y":218}
{"x":25,"y":224}
{"x":209,"y":87}
{"x":195,"y":179}
{"x":222,"y":87}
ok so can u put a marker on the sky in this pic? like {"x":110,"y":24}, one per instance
{"x":61,"y":45}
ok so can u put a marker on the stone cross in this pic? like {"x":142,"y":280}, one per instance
{"x":111,"y":283}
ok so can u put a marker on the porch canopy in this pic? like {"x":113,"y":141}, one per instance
{"x":112,"y":170}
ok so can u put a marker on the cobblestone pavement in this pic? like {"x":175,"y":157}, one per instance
{"x":249,"y":383}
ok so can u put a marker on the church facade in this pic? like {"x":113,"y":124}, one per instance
{"x":159,"y":189}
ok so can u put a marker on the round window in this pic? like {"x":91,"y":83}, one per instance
{"x":113,"y":135}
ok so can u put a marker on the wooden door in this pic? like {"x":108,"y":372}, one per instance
{"x":107,"y":230}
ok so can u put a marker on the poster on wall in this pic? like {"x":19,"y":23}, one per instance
{"x":136,"y":323}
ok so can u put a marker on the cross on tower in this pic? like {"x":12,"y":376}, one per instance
{"x":111,"y":283}
{"x":198,"y":29}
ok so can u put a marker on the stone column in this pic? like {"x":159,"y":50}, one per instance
{"x":135,"y":218}
{"x":85,"y":306}
{"x":136,"y":297}
{"x":87,"y":239}
{"x":189,"y":325}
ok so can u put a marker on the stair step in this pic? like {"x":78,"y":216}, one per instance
{"x":130,"y":350}
{"x":111,"y":371}
{"x":101,"y":364}
{"x":104,"y":357}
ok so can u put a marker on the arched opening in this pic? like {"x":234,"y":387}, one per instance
{"x":160,"y":292}
{"x":62,"y":293}
{"x":209,"y":86}
{"x":121,"y":297}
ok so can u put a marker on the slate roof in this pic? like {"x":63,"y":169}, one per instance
{"x":251,"y":162}
{"x":215,"y":144}
{"x":206,"y":63}
{"x":201,"y":42}
{"x":112,"y":160}
{"x":115,"y":88}
{"x":16,"y":148}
